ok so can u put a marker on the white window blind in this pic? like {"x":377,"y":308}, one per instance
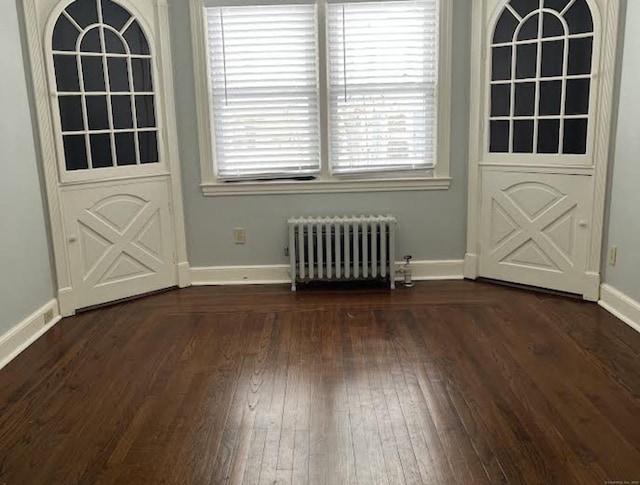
{"x":383,"y":75}
{"x":263,"y":82}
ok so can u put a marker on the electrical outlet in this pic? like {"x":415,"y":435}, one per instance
{"x":48,"y":316}
{"x":613,"y":255}
{"x":239,"y":235}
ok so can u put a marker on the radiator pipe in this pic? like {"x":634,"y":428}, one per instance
{"x":406,"y":271}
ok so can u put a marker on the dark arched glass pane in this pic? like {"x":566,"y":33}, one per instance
{"x":91,"y":41}
{"x":66,"y":69}
{"x":575,"y":137}
{"x":577,"y":102}
{"x":101,"y":150}
{"x":501,"y":63}
{"x":579,"y":18}
{"x":580,"y":52}
{"x":112,"y":43}
{"x":552,"y":58}
{"x":65,"y":35}
{"x":75,"y":152}
{"x":148,"y":142}
{"x":501,"y":100}
{"x":526,"y":61}
{"x":557,"y":5}
{"x":548,"y":136}
{"x":142,"y":75}
{"x":118,"y":74}
{"x":505,"y":28}
{"x":71,"y":113}
{"x":550,"y":98}
{"x":93,"y":73}
{"x":529,"y":29}
{"x":552,"y":26}
{"x":499,"y":136}
{"x":523,"y":136}
{"x":114,"y":15}
{"x":136,"y":39}
{"x":84,"y":12}
{"x":525,"y":99}
{"x":524,"y":7}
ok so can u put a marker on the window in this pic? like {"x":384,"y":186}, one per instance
{"x":104,"y":86}
{"x":383,"y":78}
{"x":541,"y":78}
{"x":322,"y":94}
{"x":263,"y":76}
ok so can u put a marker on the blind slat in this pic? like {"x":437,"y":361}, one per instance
{"x":383,"y":71}
{"x":263,"y":78}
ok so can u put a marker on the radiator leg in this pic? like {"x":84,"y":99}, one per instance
{"x":293,"y":285}
{"x":393,"y":282}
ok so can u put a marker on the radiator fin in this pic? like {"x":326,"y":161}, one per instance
{"x":342,"y":248}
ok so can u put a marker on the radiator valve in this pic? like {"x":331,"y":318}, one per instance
{"x":406,"y":271}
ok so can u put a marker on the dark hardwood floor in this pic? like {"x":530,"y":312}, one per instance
{"x":444,"y":383}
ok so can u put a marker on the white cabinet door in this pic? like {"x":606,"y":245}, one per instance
{"x":535,"y":228}
{"x":120,"y":240}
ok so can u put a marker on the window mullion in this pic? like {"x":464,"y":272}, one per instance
{"x":323,"y":88}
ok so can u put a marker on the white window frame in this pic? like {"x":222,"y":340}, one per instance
{"x":437,"y":178}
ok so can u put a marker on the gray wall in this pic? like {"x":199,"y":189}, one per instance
{"x":432,"y":225}
{"x":624,"y":204}
{"x":25,"y":268}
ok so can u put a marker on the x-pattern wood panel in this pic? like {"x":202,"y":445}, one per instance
{"x":121,"y":242}
{"x":533,"y":229}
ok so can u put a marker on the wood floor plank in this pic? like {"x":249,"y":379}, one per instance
{"x":370,"y":464}
{"x":446,"y":382}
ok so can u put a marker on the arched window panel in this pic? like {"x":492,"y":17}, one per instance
{"x":540,"y":76}
{"x":524,"y":7}
{"x":113,"y":43}
{"x":114,"y":15}
{"x":104,"y":79}
{"x":529,"y":28}
{"x":505,"y":27}
{"x":91,"y":41}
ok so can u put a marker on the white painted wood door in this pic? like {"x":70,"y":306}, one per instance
{"x":538,"y":158}
{"x":535,"y":229}
{"x":108,"y":139}
{"x":120,"y":240}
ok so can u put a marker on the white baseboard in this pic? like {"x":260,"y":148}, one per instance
{"x":279,"y":273}
{"x":184,"y":275}
{"x":471,"y":266}
{"x":620,"y":305}
{"x":27,"y":331}
{"x":66,"y":302}
{"x":240,"y":275}
{"x":592,"y":286}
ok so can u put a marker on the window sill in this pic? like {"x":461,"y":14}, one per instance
{"x":325,"y":186}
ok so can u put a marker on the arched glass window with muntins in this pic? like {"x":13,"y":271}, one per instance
{"x":541,"y":70}
{"x":104,"y":85}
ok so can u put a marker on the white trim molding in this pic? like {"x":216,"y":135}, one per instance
{"x":326,"y":186}
{"x":620,"y":305}
{"x":17,"y":339}
{"x":279,"y":273}
{"x":437,"y":178}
